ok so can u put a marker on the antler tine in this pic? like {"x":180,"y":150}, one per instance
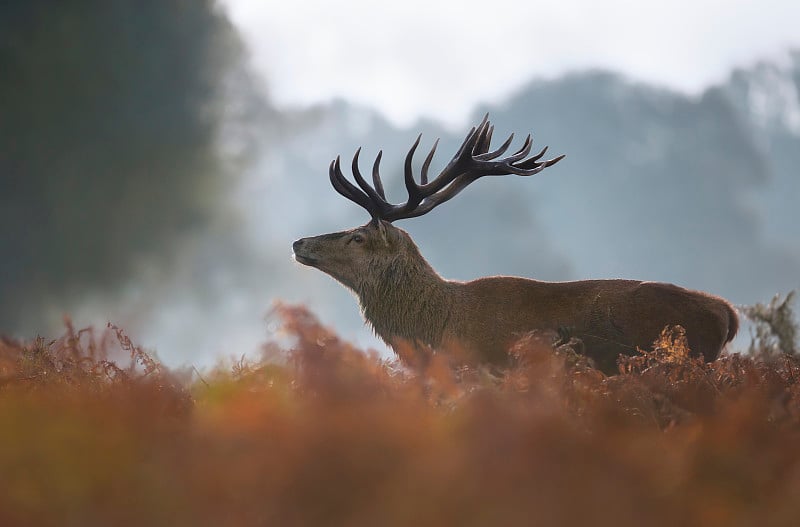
{"x":414,"y":194}
{"x":538,"y":156}
{"x":348,"y":190}
{"x":488,"y":138}
{"x":460,"y":162}
{"x":484,"y":138}
{"x":521,"y":153}
{"x":376,"y":176}
{"x":423,"y":179}
{"x":374,"y":196}
{"x":468,"y":146}
{"x":533,"y":161}
{"x":488,"y":156}
{"x":551,"y":162}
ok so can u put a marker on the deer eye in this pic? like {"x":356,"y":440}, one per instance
{"x":357,"y":238}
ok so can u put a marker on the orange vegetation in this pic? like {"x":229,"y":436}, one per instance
{"x":325,"y":434}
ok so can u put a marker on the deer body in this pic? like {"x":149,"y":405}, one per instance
{"x":407,"y":302}
{"x":610,"y":316}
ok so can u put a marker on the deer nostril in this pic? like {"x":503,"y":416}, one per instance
{"x":297,"y":244}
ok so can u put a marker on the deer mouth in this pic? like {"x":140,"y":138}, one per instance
{"x":305,"y":260}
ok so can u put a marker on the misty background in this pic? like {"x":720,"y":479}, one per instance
{"x":154,"y":173}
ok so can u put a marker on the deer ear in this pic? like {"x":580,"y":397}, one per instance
{"x":382,"y":230}
{"x":385,"y":232}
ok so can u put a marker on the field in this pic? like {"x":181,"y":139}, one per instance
{"x":96,"y":432}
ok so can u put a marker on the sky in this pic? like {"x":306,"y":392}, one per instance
{"x":438,"y":59}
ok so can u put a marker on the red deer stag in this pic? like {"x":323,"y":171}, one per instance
{"x":406,"y":301}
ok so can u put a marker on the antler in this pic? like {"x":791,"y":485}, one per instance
{"x":472,"y":161}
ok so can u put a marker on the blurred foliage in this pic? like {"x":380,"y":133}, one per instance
{"x":110,"y":114}
{"x":775,"y":326}
{"x":326,"y":434}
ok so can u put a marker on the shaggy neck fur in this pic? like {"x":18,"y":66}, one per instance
{"x":406,"y":299}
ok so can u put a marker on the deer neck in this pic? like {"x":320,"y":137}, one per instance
{"x":407,"y":300}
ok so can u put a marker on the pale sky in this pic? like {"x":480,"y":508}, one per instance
{"x":417,"y":58}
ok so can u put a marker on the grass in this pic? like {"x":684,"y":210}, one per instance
{"x":97,"y":432}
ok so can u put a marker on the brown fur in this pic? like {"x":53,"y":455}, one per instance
{"x":405,"y":300}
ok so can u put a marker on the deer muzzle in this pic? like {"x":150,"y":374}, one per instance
{"x":302,"y":254}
